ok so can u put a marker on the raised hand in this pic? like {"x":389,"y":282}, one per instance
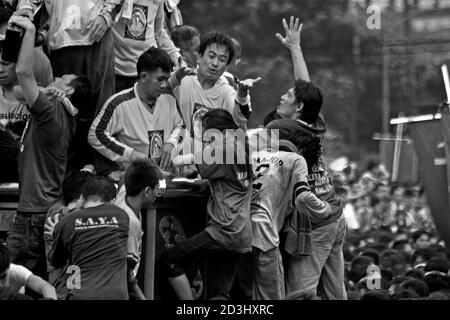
{"x":293,"y":32}
{"x":245,"y":85}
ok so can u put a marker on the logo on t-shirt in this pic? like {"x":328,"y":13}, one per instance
{"x":96,"y":222}
{"x":197,"y":118}
{"x":136,"y":28}
{"x":156,"y":144}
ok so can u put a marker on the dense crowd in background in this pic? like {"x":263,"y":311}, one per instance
{"x":133,"y":87}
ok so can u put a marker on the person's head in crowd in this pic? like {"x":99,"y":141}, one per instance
{"x":302,"y":295}
{"x":359,"y":268}
{"x":405,"y":294}
{"x":302,"y":101}
{"x":396,"y":261}
{"x":377,"y":246}
{"x":395,"y":283}
{"x":422,"y":255}
{"x":438,"y":264}
{"x":99,"y":190}
{"x":308,"y":145}
{"x":402,"y":233}
{"x":187,"y":39}
{"x":382,"y":191}
{"x":72,"y":188}
{"x":397,"y":193}
{"x":222,"y":120}
{"x":416,"y":285}
{"x":216,"y":53}
{"x":387,"y":276}
{"x":374,"y":295}
{"x":374,"y":166}
{"x":142,"y":181}
{"x":415,"y":273}
{"x":421,"y":239}
{"x":372,"y":254}
{"x":437,"y":282}
{"x":403,"y":245}
{"x":4,"y":265}
{"x":153,"y":67}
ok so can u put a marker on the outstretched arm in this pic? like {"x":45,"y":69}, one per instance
{"x":25,"y":62}
{"x":292,"y":41}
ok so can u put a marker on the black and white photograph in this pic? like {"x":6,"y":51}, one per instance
{"x":248,"y":151}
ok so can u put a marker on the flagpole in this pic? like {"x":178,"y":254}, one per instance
{"x":446,"y":82}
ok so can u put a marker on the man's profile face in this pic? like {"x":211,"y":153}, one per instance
{"x":155,"y":83}
{"x":214,"y":61}
{"x":189,"y":51}
{"x":8,"y":75}
{"x":287,"y":106}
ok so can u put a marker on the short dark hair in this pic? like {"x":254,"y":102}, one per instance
{"x":101,"y":187}
{"x":312,"y":99}
{"x":217,"y":38}
{"x":415,"y":273}
{"x":437,"y":282}
{"x":183,"y":34}
{"x":219,"y":119}
{"x":416,"y":285}
{"x":83,"y":98}
{"x":309,"y":145}
{"x":139,"y":175}
{"x":4,"y":257}
{"x":440,"y":264}
{"x":405,"y":294}
{"x":152,"y":59}
{"x":73,"y":184}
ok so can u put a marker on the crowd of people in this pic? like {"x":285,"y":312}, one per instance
{"x":137,"y":99}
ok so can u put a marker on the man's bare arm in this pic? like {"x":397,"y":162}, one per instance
{"x":25,"y":62}
{"x":292,"y":41}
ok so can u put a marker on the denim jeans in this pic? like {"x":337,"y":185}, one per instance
{"x":324,"y":269}
{"x":26,"y":242}
{"x":268,"y":275}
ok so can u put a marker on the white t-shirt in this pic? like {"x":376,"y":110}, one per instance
{"x":17,"y":278}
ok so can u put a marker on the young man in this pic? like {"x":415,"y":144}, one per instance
{"x":228,"y":235}
{"x":301,"y":123}
{"x":93,"y":242}
{"x":72,"y":201}
{"x":140,"y":27}
{"x":280,"y":188}
{"x":14,"y":113}
{"x":43,"y":151}
{"x":142,"y":122}
{"x":139,"y":191}
{"x":15,"y":278}
{"x":197,"y":94}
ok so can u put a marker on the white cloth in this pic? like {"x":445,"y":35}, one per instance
{"x":17,"y":278}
